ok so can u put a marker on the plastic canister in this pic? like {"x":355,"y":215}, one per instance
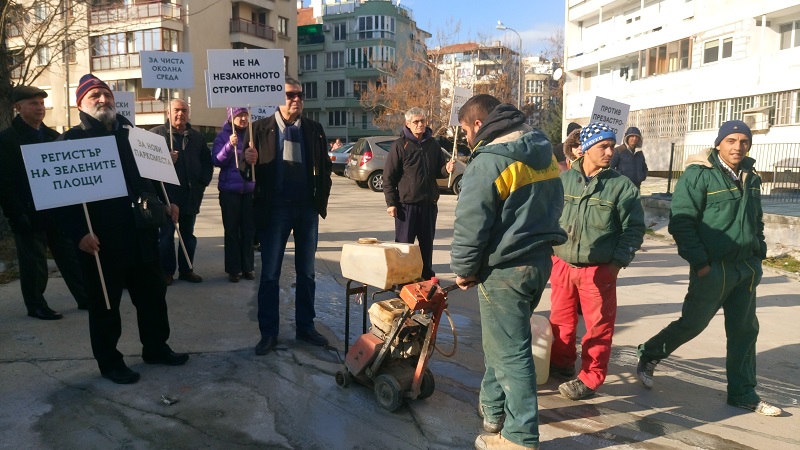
{"x":541,"y":342}
{"x":381,"y":264}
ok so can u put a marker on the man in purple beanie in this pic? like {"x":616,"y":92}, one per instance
{"x":716,"y":220}
{"x":128,"y":252}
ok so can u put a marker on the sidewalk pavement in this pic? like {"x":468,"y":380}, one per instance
{"x":52,"y":397}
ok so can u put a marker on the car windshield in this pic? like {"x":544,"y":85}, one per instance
{"x":343,"y":148}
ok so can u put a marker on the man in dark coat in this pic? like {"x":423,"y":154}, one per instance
{"x":34,"y":231}
{"x":414,"y":163}
{"x":628,"y":158}
{"x":293,"y":182}
{"x":192,"y":160}
{"x":128,"y":254}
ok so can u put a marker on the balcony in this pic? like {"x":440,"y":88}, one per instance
{"x":126,"y":61}
{"x":124,"y":13}
{"x":249,"y":28}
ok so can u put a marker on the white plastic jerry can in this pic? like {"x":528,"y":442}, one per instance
{"x":541,"y":342}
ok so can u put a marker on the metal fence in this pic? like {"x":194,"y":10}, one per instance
{"x":777,"y":164}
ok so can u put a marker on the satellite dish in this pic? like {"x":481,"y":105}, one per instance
{"x":558,"y":73}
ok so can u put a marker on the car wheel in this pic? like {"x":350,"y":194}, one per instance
{"x":457,"y":185}
{"x":362,"y":184}
{"x":375,"y":181}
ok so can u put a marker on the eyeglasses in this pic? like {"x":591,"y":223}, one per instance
{"x":291,"y":95}
{"x":418,"y":122}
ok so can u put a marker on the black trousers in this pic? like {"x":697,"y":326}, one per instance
{"x":240,"y":230}
{"x":418,"y":221}
{"x":147,"y":289}
{"x":32,"y":256}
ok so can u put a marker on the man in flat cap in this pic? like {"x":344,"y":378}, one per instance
{"x":716,"y":220}
{"x":34,"y":231}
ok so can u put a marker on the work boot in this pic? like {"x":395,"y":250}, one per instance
{"x":575,"y":389}
{"x":644,"y":370}
{"x":491,"y":424}
{"x":760,"y":407}
{"x":563,"y":372}
{"x":498,"y":442}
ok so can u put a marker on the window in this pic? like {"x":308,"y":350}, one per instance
{"x":337,"y":118}
{"x":375,"y":27}
{"x":366,"y":57}
{"x":310,"y":89}
{"x":43,"y":56}
{"x":717,"y":49}
{"x":340,"y":31}
{"x":790,"y":35}
{"x":283,"y":26}
{"x":359,"y":87}
{"x":313,"y":115}
{"x":39,"y":11}
{"x":16,"y":63}
{"x":335,"y":89}
{"x":534,"y":86}
{"x":70,"y":52}
{"x":334,"y":60}
{"x":308,"y":62}
{"x":670,"y":57}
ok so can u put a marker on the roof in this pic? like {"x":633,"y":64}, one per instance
{"x":305,"y":16}
{"x":455,"y":48}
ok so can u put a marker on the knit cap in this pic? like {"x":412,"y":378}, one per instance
{"x":233,"y":112}
{"x":89,"y":82}
{"x":595,"y":132}
{"x":730,"y":127}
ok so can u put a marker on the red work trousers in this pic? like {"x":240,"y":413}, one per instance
{"x":595,"y":287}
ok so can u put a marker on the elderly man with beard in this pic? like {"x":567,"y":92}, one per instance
{"x":128,"y":254}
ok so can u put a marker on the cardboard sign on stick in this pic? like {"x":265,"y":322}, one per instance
{"x":172,"y":70}
{"x":71,"y":172}
{"x":612,"y":113}
{"x":245,"y":77}
{"x":125,"y":103}
{"x":152,"y":156}
{"x":460,"y":96}
{"x":262,"y":112}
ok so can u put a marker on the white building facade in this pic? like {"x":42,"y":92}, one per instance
{"x":685,"y":67}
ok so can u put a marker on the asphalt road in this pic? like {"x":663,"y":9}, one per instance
{"x":51,"y":395}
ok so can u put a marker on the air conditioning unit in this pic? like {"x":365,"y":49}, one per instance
{"x":326,"y":27}
{"x":757,"y":118}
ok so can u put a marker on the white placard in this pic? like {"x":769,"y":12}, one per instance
{"x":126,"y":105}
{"x":460,"y":96}
{"x":612,"y":113}
{"x":152,"y":156}
{"x":245,"y":77}
{"x":171,"y":70}
{"x":262,"y":112}
{"x":75,"y":171}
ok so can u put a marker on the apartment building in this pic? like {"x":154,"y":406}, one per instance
{"x":344,"y":47}
{"x":478,"y":66}
{"x":113,"y":32}
{"x":686,"y":66}
{"x":538,"y":88}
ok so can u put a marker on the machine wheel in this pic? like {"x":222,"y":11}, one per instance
{"x":457,"y":185}
{"x":427,"y":386}
{"x":362,"y":184}
{"x":388,"y":393}
{"x":375,"y":181}
{"x":343,"y":378}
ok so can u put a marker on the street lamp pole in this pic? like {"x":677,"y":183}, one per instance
{"x":500,"y":26}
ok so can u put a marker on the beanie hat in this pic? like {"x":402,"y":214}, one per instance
{"x":572,"y":127}
{"x":633,"y":131}
{"x":233,"y":112}
{"x":730,"y":127}
{"x":595,"y":132}
{"x":89,"y":82}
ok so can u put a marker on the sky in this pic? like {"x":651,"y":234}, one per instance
{"x":534,"y":20}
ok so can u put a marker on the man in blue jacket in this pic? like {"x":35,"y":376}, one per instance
{"x":628,"y":157}
{"x":505,"y":227}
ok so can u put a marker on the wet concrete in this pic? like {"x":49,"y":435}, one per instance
{"x":51,"y":395}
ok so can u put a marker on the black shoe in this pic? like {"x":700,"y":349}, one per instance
{"x":266,"y":344}
{"x":312,"y":337}
{"x":45,"y":313}
{"x":120,"y":375}
{"x":190,"y":276}
{"x":233,"y":277}
{"x":645,"y":369}
{"x":249,"y":276}
{"x":83,"y":306}
{"x":575,"y":390}
{"x":563,"y":372}
{"x":168,"y":359}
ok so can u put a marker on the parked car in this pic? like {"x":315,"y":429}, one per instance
{"x":339,"y":158}
{"x":368,"y":156}
{"x":463,"y":151}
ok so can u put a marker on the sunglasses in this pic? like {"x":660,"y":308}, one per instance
{"x":291,"y":95}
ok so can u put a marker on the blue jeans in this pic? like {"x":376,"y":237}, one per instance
{"x":166,"y":244}
{"x":303,"y":222}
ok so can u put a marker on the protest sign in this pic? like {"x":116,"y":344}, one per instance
{"x":70,"y":172}
{"x":152,"y":156}
{"x":171,"y":70}
{"x":245,"y":77}
{"x":460,"y":96}
{"x":612,"y":113}
{"x":262,"y":112}
{"x":125,"y":103}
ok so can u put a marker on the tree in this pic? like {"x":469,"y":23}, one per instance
{"x":552,"y":113}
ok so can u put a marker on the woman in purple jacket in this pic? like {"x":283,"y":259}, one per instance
{"x":235,"y":197}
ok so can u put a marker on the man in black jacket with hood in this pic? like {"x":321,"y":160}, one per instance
{"x":414,"y":164}
{"x":128,"y":254}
